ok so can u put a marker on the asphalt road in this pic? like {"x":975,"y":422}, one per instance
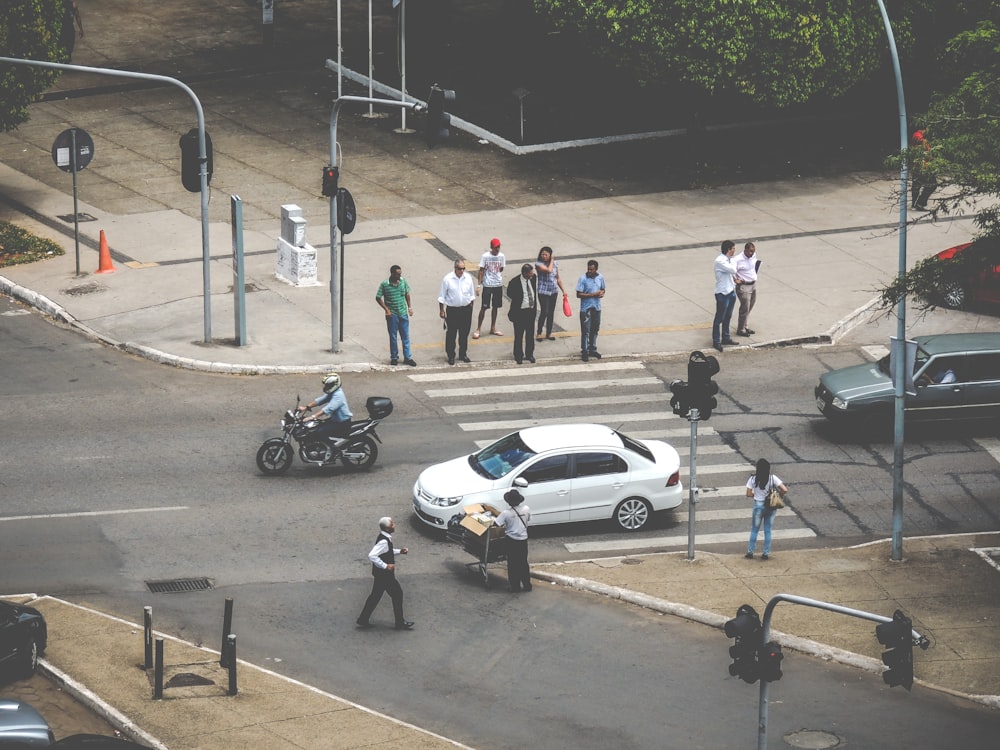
{"x":99,"y":433}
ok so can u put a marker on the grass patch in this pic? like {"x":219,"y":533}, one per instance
{"x":18,"y":246}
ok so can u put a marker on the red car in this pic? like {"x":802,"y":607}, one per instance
{"x":982,"y":287}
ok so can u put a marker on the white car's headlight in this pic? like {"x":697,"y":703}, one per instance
{"x":446,"y":502}
{"x":838,"y":403}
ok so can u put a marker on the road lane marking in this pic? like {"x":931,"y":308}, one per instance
{"x":519,"y":424}
{"x":533,"y":387}
{"x":552,"y":403}
{"x":991,"y":446}
{"x":526,"y":372}
{"x":85,"y":513}
{"x":682,"y":540}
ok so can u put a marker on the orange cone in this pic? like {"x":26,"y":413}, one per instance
{"x":106,"y":266}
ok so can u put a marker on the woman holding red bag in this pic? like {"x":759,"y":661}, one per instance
{"x":549,"y":286}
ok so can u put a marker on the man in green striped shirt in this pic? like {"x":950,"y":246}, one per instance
{"x":393,"y":297}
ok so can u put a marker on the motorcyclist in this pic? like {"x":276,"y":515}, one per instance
{"x":334,"y":413}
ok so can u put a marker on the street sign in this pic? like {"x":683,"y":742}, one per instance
{"x":64,"y":144}
{"x":347,"y":212}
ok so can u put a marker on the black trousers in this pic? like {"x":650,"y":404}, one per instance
{"x":524,"y":342}
{"x":459,"y":323}
{"x":546,"y":312}
{"x":518,"y":573}
{"x":385,"y":581}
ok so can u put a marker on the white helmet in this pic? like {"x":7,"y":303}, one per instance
{"x":331,"y":382}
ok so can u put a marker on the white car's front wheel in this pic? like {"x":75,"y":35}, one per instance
{"x":632,"y":514}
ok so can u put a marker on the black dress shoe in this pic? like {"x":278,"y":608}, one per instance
{"x":595,"y":354}
{"x":465,"y":359}
{"x":393,"y":361}
{"x":585,"y":357}
{"x":531,"y":359}
{"x":404,"y":625}
{"x":451,"y":360}
{"x":717,"y":346}
{"x":410,"y":362}
{"x":364,"y":625}
{"x":742,"y":333}
{"x":519,"y":361}
{"x":728,"y":342}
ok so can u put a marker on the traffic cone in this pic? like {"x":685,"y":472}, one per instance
{"x":106,"y":266}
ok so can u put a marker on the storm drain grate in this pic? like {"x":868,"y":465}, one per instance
{"x":179,"y":585}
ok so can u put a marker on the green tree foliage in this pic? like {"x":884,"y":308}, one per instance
{"x":962,"y":125}
{"x":775,"y":52}
{"x":32,"y":30}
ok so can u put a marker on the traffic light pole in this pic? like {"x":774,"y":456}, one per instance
{"x":805,"y":601}
{"x":202,"y":158}
{"x":692,"y":480}
{"x":335,"y":269}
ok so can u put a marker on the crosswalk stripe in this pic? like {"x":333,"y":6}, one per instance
{"x":534,"y":387}
{"x":553,"y":403}
{"x":718,"y":469}
{"x":536,"y":372}
{"x":706,"y":493}
{"x":684,"y":449}
{"x":682,"y":540}
{"x":520,"y":424}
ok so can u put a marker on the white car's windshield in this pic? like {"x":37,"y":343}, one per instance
{"x":502,"y":457}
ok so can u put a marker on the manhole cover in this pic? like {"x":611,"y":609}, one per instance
{"x":631,"y":561}
{"x":187,"y":679}
{"x":179,"y":585}
{"x":812,"y":739}
{"x":68,"y":218}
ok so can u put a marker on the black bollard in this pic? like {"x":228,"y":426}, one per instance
{"x":227,"y":628}
{"x":158,"y":672}
{"x":231,"y":648}
{"x":147,"y":630}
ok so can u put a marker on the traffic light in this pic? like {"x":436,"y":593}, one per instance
{"x":680,"y":402}
{"x":897,"y":637}
{"x":436,"y":126}
{"x":769,"y":658}
{"x":700,"y":384}
{"x":190,"y":164}
{"x":746,"y":629}
{"x":330,"y":177}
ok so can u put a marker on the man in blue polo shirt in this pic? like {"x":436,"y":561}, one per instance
{"x":590,"y":292}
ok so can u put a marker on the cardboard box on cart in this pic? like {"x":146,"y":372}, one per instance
{"x":478,"y":522}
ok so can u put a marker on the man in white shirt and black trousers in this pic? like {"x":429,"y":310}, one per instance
{"x":514,"y":522}
{"x":383,"y":557}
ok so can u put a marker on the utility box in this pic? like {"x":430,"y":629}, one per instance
{"x":298,"y":261}
{"x":293,"y":225}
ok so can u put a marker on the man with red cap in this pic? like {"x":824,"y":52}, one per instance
{"x":491,"y":286}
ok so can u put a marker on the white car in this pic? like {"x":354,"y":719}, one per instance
{"x":574,"y":472}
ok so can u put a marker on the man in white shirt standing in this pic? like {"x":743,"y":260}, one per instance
{"x":725,"y":295}
{"x":747,"y":265}
{"x":457,"y":296}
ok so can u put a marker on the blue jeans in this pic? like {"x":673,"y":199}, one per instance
{"x":397,"y":323}
{"x":724,"y":304}
{"x":759,"y":518}
{"x":590,"y":326}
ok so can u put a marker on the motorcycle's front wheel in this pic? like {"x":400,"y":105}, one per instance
{"x":274,"y":456}
{"x":359,"y":454}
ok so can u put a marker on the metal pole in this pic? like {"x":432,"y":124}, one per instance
{"x":227,"y":628}
{"x":900,"y":344}
{"x":340,"y":52}
{"x":693,"y":480}
{"x":371,"y":62}
{"x":231,"y":647}
{"x":158,"y":672}
{"x":76,"y":213}
{"x":202,"y":157}
{"x":147,"y":637}
{"x":334,"y":271}
{"x":342,"y":267}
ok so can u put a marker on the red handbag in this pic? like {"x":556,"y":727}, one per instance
{"x":567,"y":310}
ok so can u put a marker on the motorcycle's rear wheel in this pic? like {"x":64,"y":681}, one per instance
{"x":274,"y":456}
{"x":359,"y":454}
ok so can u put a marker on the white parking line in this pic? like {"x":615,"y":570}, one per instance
{"x":533,"y":372}
{"x":85,"y":513}
{"x":682,"y":540}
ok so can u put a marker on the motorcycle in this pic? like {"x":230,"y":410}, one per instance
{"x":356,"y":451}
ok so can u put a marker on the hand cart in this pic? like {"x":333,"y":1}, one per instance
{"x":488,"y":548}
